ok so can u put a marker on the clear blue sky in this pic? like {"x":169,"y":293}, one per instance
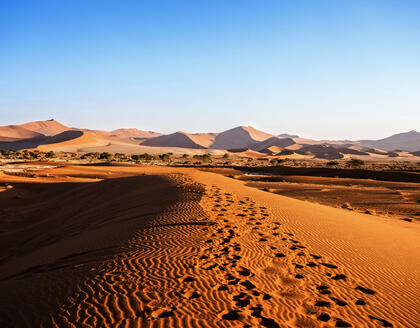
{"x":323,"y":69}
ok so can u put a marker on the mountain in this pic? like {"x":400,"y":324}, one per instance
{"x":409,"y":141}
{"x":239,"y":137}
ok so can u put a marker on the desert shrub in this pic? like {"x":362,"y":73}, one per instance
{"x":50,"y":154}
{"x":165,"y":157}
{"x":355,"y":162}
{"x":332,"y":163}
{"x":107,"y":156}
{"x":274,"y":161}
{"x":203,"y":158}
{"x":146,"y":157}
{"x":185,"y":156}
{"x":226,"y":155}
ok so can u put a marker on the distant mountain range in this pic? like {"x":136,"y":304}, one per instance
{"x":242,"y":140}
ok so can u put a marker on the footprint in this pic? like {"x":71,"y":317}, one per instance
{"x":382,"y":321}
{"x":268,"y":322}
{"x":192,"y":294}
{"x":247,"y":284}
{"x":324,"y":317}
{"x":339,"y":302}
{"x":231,"y":315}
{"x":163,"y":313}
{"x":323,"y":304}
{"x":242,"y":300}
{"x":189,"y":279}
{"x":339,"y":277}
{"x":365,"y":290}
{"x":331,"y":266}
{"x":244,"y":271}
{"x":280,"y":255}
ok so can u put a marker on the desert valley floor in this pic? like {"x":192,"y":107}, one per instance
{"x":113,"y":246}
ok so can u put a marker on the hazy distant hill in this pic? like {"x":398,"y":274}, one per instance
{"x":409,"y":141}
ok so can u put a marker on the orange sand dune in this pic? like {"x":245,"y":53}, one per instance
{"x":178,"y":247}
{"x":17,"y":132}
{"x":182,"y":139}
{"x":239,"y":137}
{"x":79,"y":139}
{"x":47,"y":128}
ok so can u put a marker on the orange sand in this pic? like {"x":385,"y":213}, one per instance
{"x":185,"y":248}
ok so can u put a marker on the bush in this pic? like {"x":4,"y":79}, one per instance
{"x":50,"y":154}
{"x":106,"y":156}
{"x":165,"y":157}
{"x":274,"y":161}
{"x":355,"y":162}
{"x":204,"y":157}
{"x":226,"y":155}
{"x":332,"y":163}
{"x":185,"y":156}
{"x":143,"y":157}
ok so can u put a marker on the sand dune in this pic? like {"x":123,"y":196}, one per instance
{"x":184,"y":248}
{"x":13,"y":132}
{"x":181,"y":139}
{"x":47,"y":128}
{"x":72,"y":141}
{"x":406,"y":141}
{"x":273,"y":141}
{"x":239,"y":137}
{"x":33,"y":134}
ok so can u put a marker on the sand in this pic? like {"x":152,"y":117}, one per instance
{"x":166,"y":247}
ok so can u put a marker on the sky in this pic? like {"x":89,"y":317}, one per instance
{"x":319,"y":69}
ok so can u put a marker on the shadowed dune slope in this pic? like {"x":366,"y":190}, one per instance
{"x":177,"y":139}
{"x":273,"y":141}
{"x":73,"y":141}
{"x":32,"y":143}
{"x":57,"y":232}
